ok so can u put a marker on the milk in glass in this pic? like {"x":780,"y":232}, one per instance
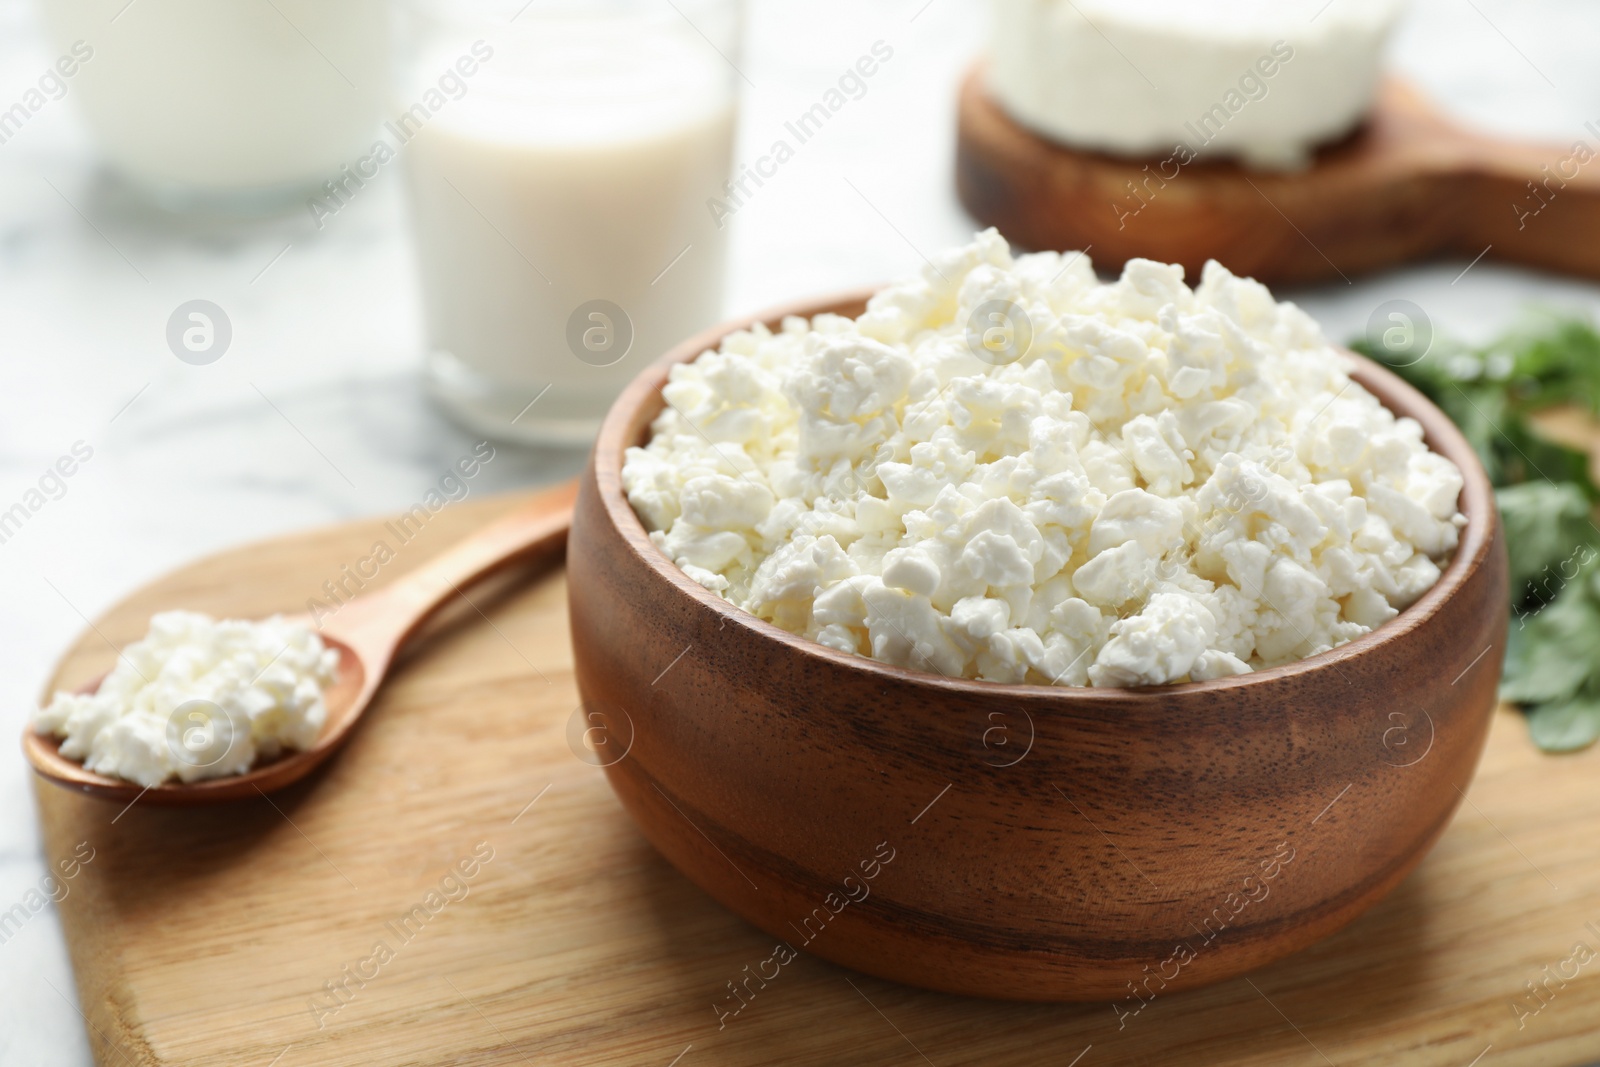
{"x":561,"y":206}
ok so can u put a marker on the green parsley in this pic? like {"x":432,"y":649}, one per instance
{"x":1546,"y":501}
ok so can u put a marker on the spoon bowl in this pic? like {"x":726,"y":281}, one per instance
{"x":366,"y":632}
{"x":346,"y":699}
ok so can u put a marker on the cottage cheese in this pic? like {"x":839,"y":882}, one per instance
{"x":1264,"y":79}
{"x":1163,"y":485}
{"x":198,"y":698}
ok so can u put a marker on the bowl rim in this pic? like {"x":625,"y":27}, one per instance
{"x":625,"y":421}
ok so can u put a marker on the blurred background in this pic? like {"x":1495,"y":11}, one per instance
{"x":303,"y":399}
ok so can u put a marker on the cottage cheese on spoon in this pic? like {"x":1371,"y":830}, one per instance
{"x":198,"y":698}
{"x":1007,"y":470}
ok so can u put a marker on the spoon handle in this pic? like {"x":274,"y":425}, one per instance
{"x":377,"y":624}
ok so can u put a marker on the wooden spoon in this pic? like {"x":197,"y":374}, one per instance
{"x":1408,"y":185}
{"x":367,"y":632}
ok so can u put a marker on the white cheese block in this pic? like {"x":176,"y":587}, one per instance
{"x":1262,"y":80}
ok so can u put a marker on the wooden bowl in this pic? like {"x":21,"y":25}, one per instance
{"x":1408,"y":185}
{"x":1017,"y":841}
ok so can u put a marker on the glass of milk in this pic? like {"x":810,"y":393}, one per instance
{"x":230,"y":104}
{"x":562,"y":158}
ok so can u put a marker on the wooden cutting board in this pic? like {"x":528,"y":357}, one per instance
{"x":1408,"y":185}
{"x":522,"y":919}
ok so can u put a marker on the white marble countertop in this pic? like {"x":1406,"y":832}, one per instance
{"x":188,"y":460}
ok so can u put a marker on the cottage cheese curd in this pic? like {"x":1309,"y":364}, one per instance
{"x":1267,"y":80}
{"x":1164,"y":484}
{"x":198,"y":698}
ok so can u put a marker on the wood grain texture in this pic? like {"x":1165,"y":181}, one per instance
{"x":1087,"y":844}
{"x":1408,"y":185}
{"x":199,"y":937}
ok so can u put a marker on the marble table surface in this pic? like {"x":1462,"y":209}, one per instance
{"x":315,"y":414}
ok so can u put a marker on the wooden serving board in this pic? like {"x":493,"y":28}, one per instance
{"x":1409,"y":184}
{"x":522,"y":919}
